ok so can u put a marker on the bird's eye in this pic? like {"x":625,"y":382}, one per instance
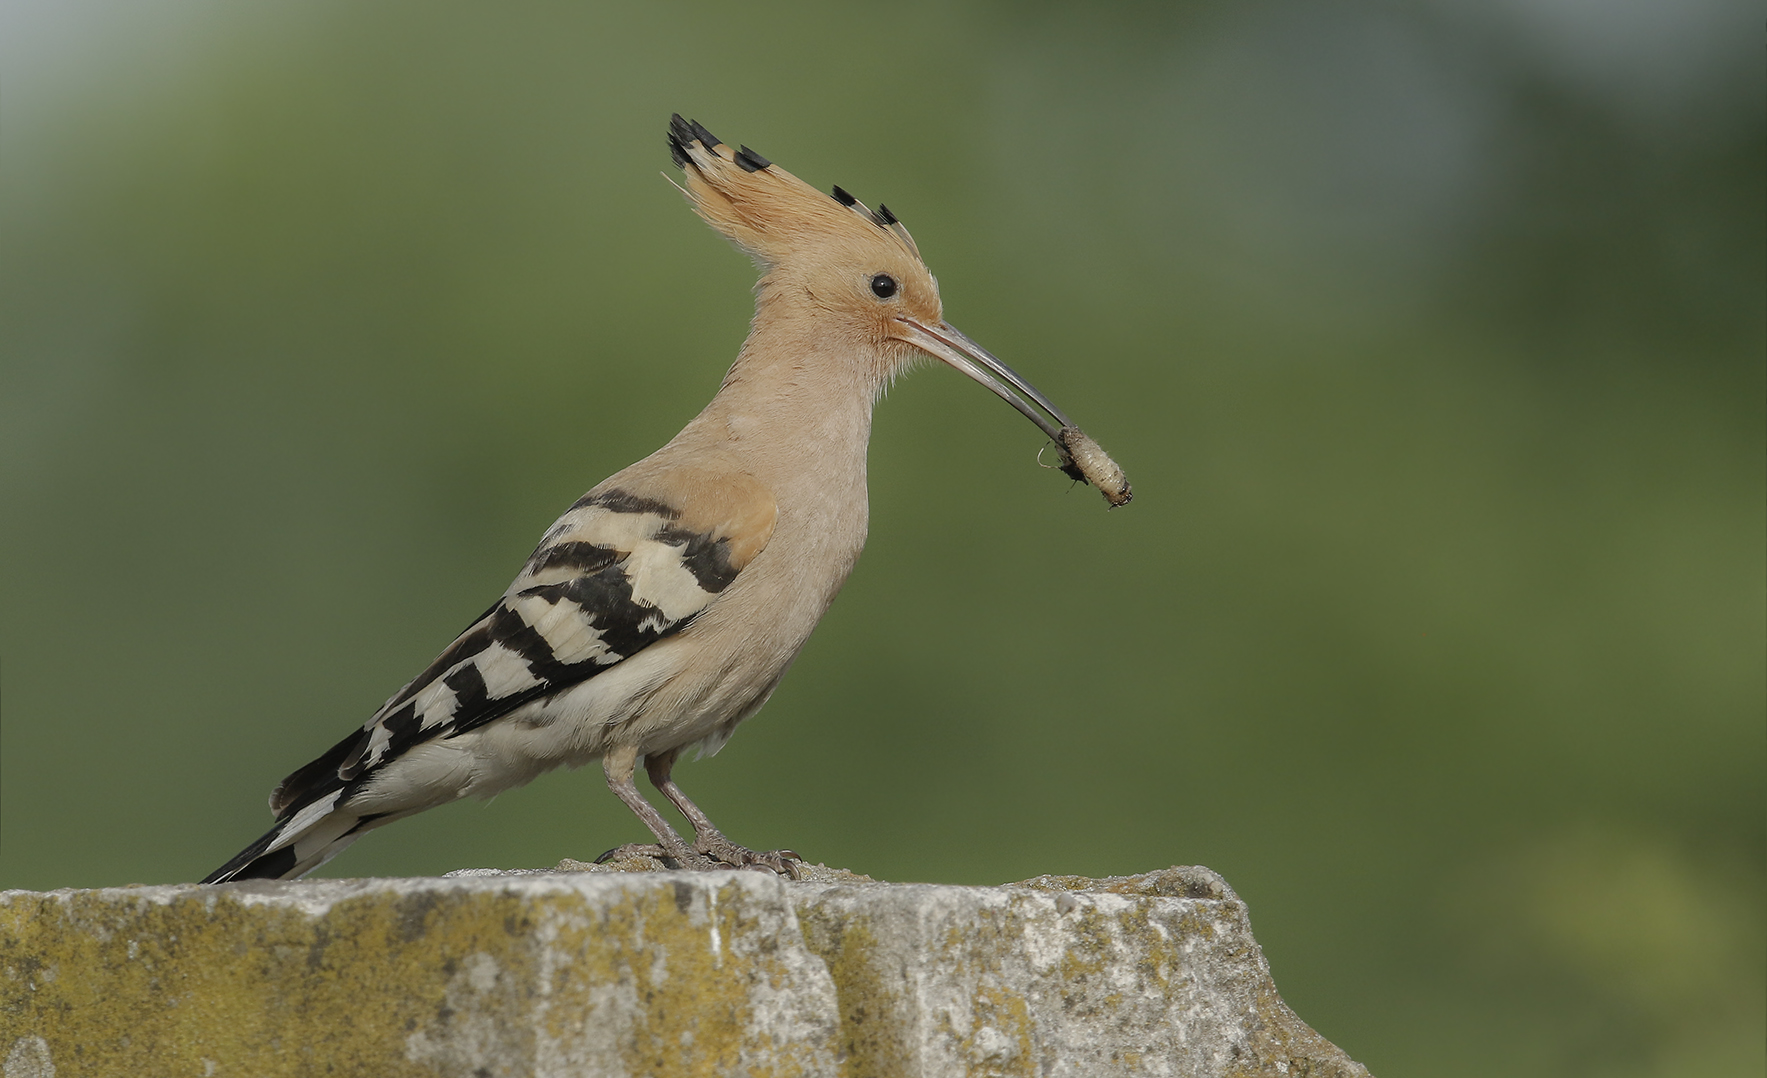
{"x":883,"y":286}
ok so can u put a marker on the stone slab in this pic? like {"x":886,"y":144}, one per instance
{"x":643,"y":972}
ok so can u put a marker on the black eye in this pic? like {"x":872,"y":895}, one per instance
{"x":883,"y":286}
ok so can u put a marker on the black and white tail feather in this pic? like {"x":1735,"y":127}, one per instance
{"x":613,"y":576}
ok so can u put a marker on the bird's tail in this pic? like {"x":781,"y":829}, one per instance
{"x":299,"y":843}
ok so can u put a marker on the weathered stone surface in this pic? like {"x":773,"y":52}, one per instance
{"x":571,"y":974}
{"x":1061,"y":977}
{"x":646,"y":973}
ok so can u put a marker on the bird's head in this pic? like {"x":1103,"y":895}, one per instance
{"x":839,"y":273}
{"x":826,"y":259}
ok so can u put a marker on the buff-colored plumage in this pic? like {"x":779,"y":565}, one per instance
{"x":663,"y":608}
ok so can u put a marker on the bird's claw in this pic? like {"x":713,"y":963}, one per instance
{"x":721,"y":859}
{"x":715,"y":855}
{"x":682,"y":859}
{"x":634,"y":849}
{"x":782,"y":862}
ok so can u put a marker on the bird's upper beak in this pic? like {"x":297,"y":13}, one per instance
{"x":945,"y":342}
{"x":1081,"y":457}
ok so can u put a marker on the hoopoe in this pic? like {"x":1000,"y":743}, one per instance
{"x":665,"y":605}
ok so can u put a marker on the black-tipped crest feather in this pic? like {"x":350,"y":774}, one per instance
{"x":682,"y":132}
{"x":750,"y":160}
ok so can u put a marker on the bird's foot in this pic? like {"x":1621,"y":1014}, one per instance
{"x":631,"y":850}
{"x":684,"y":858}
{"x":716,"y":846}
{"x":710,"y":854}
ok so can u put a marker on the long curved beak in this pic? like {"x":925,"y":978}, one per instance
{"x":1081,"y":457}
{"x":946,"y":343}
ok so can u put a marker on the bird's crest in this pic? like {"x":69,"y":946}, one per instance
{"x":764,"y":209}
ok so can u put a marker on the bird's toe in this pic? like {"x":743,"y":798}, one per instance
{"x":633,"y":850}
{"x":782,"y":862}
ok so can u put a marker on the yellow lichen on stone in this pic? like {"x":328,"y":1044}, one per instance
{"x":438,"y":978}
{"x":872,"y":1038}
{"x":688,"y":961}
{"x":206,"y":984}
{"x":1000,"y":1041}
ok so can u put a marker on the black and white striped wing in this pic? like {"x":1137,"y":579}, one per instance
{"x":614,"y":575}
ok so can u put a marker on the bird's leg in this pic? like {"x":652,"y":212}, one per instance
{"x":708,"y":840}
{"x":619,"y":764}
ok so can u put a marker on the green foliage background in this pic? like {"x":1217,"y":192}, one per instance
{"x":1431,"y":336}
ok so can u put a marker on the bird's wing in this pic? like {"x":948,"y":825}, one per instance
{"x":629,"y":564}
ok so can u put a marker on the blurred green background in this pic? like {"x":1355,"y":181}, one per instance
{"x":1431,"y":336}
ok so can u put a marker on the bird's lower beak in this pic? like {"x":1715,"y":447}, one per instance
{"x":946,"y":343}
{"x":1081,"y":457}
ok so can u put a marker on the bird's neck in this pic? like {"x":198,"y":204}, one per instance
{"x":795,"y":410}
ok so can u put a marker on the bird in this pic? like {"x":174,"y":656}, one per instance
{"x":663,"y":608}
